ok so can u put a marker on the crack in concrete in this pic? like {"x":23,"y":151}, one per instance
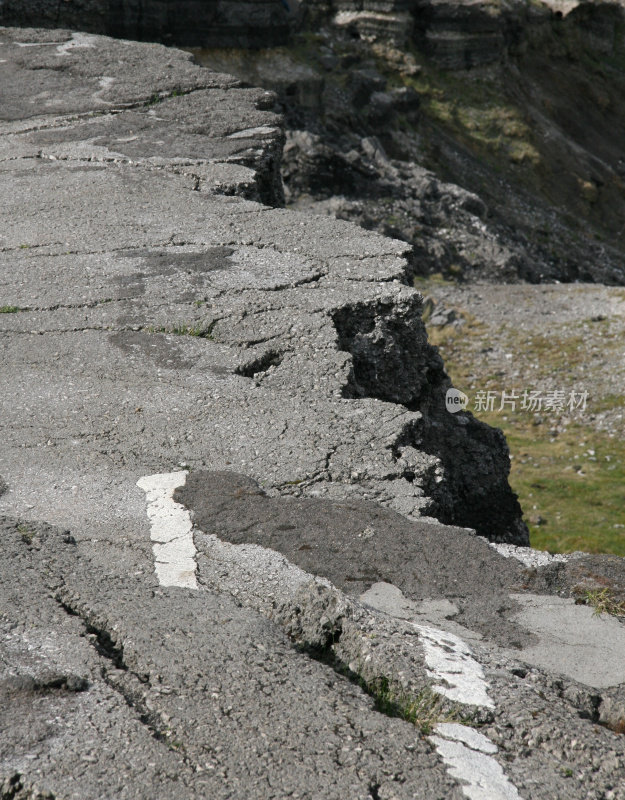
{"x":23,"y":247}
{"x":123,"y":680}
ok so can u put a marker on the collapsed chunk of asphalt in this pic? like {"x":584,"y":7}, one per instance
{"x":356,"y":544}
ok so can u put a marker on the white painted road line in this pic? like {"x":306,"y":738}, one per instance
{"x":531,"y":557}
{"x":171,"y":530}
{"x":468,"y":755}
{"x":450,"y":661}
{"x":466,"y":735}
{"x":77,"y":40}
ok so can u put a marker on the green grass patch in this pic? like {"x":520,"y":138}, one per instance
{"x":424,"y":710}
{"x":154,"y":99}
{"x":477,"y":110}
{"x":571,"y":486}
{"x":604,"y":602}
{"x":27,"y":535}
{"x":570,"y":479}
{"x":11,"y":309}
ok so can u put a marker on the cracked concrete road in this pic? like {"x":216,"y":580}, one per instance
{"x":162,"y":325}
{"x":267,"y":676}
{"x":192,"y":323}
{"x":115,"y":687}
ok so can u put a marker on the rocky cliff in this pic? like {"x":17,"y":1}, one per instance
{"x":193,"y":23}
{"x":486,"y":134}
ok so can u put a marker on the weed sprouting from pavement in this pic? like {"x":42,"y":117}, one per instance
{"x":198,"y":331}
{"x":604,"y":602}
{"x":157,"y":97}
{"x":423,"y":710}
{"x":11,"y":309}
{"x":26,"y":534}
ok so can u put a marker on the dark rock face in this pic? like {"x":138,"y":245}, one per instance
{"x":192,"y":23}
{"x":353,"y":178}
{"x":477,"y":151}
{"x":392,"y":361}
{"x":461,"y":35}
{"x":456,"y":35}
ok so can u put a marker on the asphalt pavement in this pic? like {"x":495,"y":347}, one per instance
{"x":222,"y":572}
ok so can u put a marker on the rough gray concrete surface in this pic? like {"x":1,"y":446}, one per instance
{"x":189,"y":326}
{"x":157,"y":316}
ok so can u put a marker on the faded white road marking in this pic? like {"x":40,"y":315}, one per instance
{"x":263,"y":130}
{"x":174,"y":550}
{"x":467,"y":755}
{"x":466,"y":735}
{"x":34,"y":44}
{"x":450,"y":661}
{"x":77,"y":40}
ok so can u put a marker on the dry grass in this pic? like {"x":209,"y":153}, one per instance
{"x":603,"y":601}
{"x":570,"y":476}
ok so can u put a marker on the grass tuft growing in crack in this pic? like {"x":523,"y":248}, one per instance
{"x":423,"y":710}
{"x":158,"y":97}
{"x":25,"y":532}
{"x":199,"y":331}
{"x":422,"y":707}
{"x":11,"y":309}
{"x":603,"y":601}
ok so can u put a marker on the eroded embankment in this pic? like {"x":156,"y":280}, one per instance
{"x":485,"y":134}
{"x":289,"y":345}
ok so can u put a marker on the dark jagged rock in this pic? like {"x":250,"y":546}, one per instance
{"x":392,"y":361}
{"x":490,"y":171}
{"x":211,"y":23}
